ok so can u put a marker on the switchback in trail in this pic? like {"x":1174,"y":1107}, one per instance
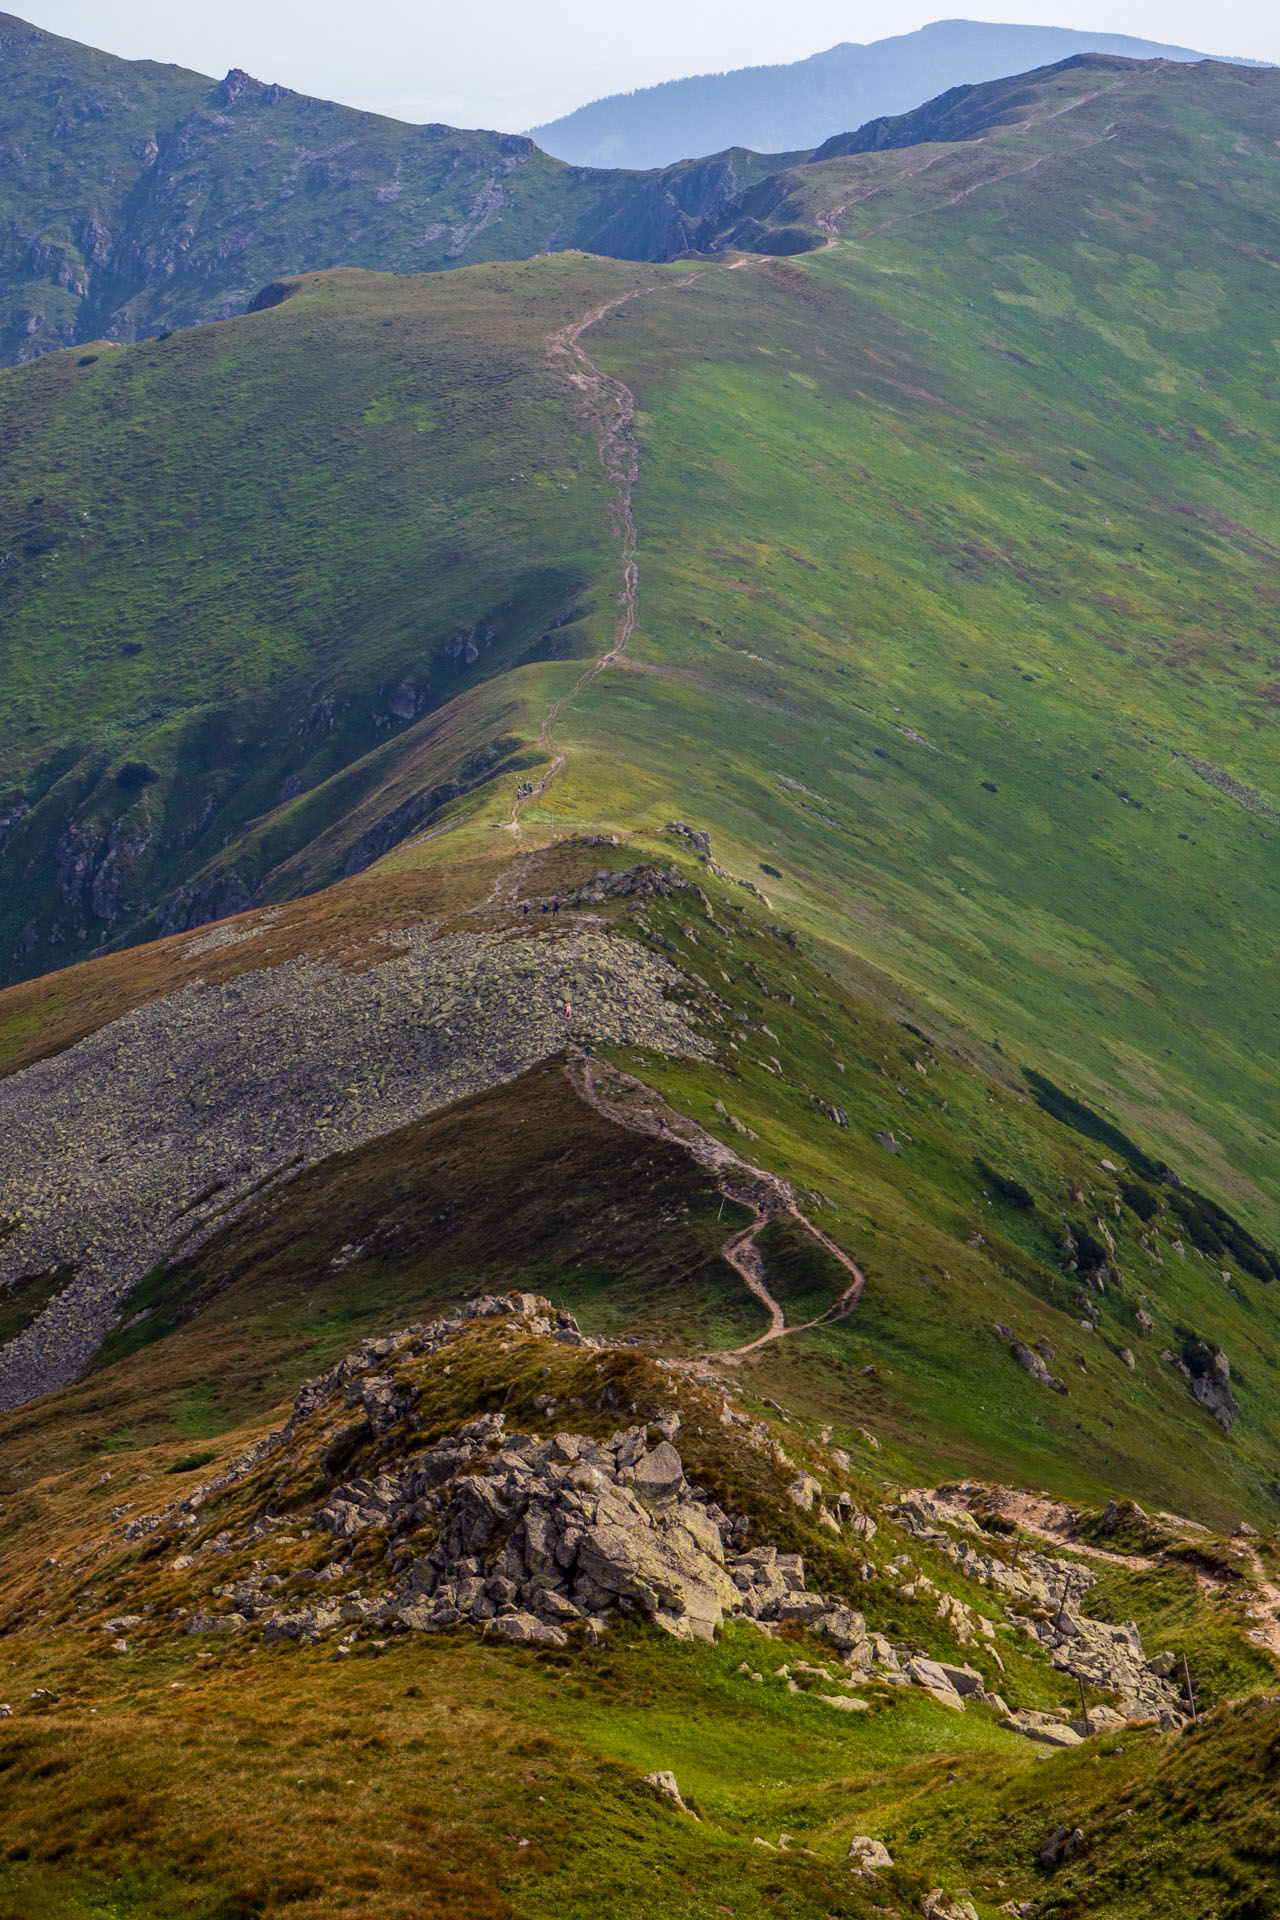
{"x":628,"y":1102}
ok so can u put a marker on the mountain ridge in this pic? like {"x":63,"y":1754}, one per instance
{"x":147,"y":199}
{"x":638,"y":1119}
{"x":806,"y":102}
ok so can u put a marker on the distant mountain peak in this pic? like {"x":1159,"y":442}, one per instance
{"x":774,"y":109}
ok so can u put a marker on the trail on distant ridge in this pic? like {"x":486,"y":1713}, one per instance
{"x":611,"y":407}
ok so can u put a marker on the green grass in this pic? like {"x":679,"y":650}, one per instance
{"x":258,"y":182}
{"x":935,"y":526}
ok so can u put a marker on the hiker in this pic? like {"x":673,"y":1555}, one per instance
{"x":544,"y":906}
{"x":524,"y":908}
{"x":568,"y":1013}
{"x":555,"y":907}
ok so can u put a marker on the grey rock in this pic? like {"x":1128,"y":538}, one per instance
{"x":1033,"y":1726}
{"x":664,"y":1785}
{"x":216,"y":1623}
{"x":1035,"y":1366}
{"x":527,"y":1630}
{"x":930,"y":1675}
{"x":842,"y":1628}
{"x":659,"y":1476}
{"x":867,"y":1854}
{"x":1064,"y":1843}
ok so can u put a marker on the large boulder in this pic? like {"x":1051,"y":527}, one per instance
{"x":868,"y":1855}
{"x":659,"y":1476}
{"x":527,"y":1630}
{"x":666,"y":1572}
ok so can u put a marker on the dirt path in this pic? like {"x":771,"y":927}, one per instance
{"x":1045,"y":1519}
{"x":611,"y":408}
{"x":1051,"y":1521}
{"x":629,"y":1103}
{"x":1011,"y":173}
{"x":1265,"y":1609}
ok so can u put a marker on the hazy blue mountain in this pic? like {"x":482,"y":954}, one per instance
{"x":773,"y":108}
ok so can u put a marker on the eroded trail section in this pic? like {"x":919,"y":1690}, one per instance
{"x":628,"y":1102}
{"x":611,"y":408}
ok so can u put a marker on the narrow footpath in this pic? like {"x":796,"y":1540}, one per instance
{"x":611,"y":408}
{"x":629,"y":1103}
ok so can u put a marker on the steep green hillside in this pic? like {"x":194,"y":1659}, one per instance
{"x":249,"y":557}
{"x":956,"y":555}
{"x":140,"y":198}
{"x":738,"y":806}
{"x":957,"y":600}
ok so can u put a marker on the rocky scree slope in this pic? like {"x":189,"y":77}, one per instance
{"x":535,"y":1537}
{"x":140,"y":1141}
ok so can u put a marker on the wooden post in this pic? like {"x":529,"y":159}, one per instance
{"x":1191,"y":1693}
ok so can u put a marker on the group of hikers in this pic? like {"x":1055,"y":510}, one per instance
{"x":548,"y":906}
{"x":530,"y":786}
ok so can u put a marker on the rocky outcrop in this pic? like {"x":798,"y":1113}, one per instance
{"x":544,"y":1538}
{"x":141,"y":1140}
{"x":1044,"y":1597}
{"x":665,"y":214}
{"x":517,"y":1534}
{"x":697,"y":837}
{"x":1035,"y":1366}
{"x":1209,"y":1372}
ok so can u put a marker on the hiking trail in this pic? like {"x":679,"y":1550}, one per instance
{"x":611,"y":407}
{"x":629,"y":1103}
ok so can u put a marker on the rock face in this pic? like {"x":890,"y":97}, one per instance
{"x":563,"y":1530}
{"x":1211,"y":1382}
{"x":145,"y":1137}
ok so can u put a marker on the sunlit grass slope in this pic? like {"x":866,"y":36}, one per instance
{"x":957,"y":587}
{"x":243,"y":560}
{"x":958,"y":602}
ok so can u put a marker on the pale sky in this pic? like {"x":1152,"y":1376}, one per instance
{"x":512,"y":64}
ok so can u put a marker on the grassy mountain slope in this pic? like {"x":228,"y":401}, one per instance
{"x":308,"y":1778}
{"x":950,"y":1187}
{"x":348,"y":541}
{"x":974,"y":490}
{"x":141,"y":198}
{"x":1020,"y":544}
{"x":806,"y":102}
{"x":932,"y":575}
